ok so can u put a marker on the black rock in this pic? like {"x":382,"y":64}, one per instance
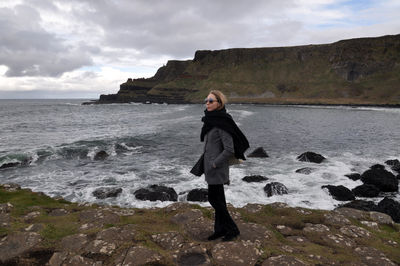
{"x":390,"y":207}
{"x":101,"y":155}
{"x":382,"y":179}
{"x":366,"y":190}
{"x":396,"y":168}
{"x":254,"y":178}
{"x":10,"y":165}
{"x":305,"y":170}
{"x":198,"y":195}
{"x":102,"y":193}
{"x":378,"y":167}
{"x":156,"y":192}
{"x":392,"y":162}
{"x":311,"y":157}
{"x":354,"y":176}
{"x":362,"y":205}
{"x":341,"y":193}
{"x":258,"y":153}
{"x":275,"y":188}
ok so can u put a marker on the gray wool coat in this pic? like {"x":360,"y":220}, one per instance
{"x":218,"y":149}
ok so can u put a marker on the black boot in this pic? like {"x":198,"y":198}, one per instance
{"x":216,"y":235}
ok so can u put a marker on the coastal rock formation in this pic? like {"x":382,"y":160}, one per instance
{"x":177,"y":235}
{"x":102,"y":193}
{"x":275,"y":188}
{"x":362,"y":71}
{"x":353,"y":176}
{"x":258,"y":153}
{"x":366,"y":190}
{"x":311,"y":157}
{"x":340,"y":192}
{"x":197,"y":194}
{"x":156,"y":192}
{"x":254,"y":178}
{"x":381,"y":178}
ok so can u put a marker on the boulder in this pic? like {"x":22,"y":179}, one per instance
{"x":258,"y":153}
{"x":254,"y":178}
{"x":354,"y":176}
{"x":340,"y":193}
{"x":156,"y":192}
{"x":392,"y":162}
{"x":305,"y":170}
{"x":197,"y":194}
{"x":17,"y":244}
{"x":275,"y":188}
{"x":311,"y":157}
{"x":390,"y":207}
{"x":366,"y":190}
{"x":361,"y":205}
{"x":102,"y":193}
{"x":101,"y":155}
{"x":235,"y":253}
{"x":381,"y":178}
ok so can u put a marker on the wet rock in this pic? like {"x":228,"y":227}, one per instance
{"x":17,"y":244}
{"x":366,"y":190}
{"x":305,"y":170}
{"x":102,"y":193}
{"x":354,"y":176}
{"x":361,"y":205}
{"x":283,"y":260}
{"x":139,"y":255}
{"x":275,"y":188}
{"x":382,"y":179}
{"x":197,"y":194}
{"x":258,"y":153}
{"x":192,"y":254}
{"x":235,"y":253}
{"x":390,"y":207}
{"x":340,"y":193}
{"x":372,"y":256}
{"x":254,"y":178}
{"x":74,"y":243}
{"x":6,"y":207}
{"x":10,"y":165}
{"x":169,"y":240}
{"x":156,"y":192}
{"x":311,"y":157}
{"x":101,"y":155}
{"x":392,"y":162}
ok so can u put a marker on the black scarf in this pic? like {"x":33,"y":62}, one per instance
{"x":221,"y":119}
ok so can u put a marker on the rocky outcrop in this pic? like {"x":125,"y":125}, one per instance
{"x":198,"y":194}
{"x":254,"y":178}
{"x":340,"y":193}
{"x":102,"y":193}
{"x":156,"y":192}
{"x":258,"y":153}
{"x":177,"y":235}
{"x":311,"y":157}
{"x":275,"y":188}
{"x":345,"y":72}
{"x":381,"y":178}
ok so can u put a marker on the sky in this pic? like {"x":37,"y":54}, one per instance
{"x":84,"y":48}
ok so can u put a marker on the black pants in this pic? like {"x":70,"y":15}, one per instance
{"x":223,"y":221}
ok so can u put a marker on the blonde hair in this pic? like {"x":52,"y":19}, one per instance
{"x":221,"y":98}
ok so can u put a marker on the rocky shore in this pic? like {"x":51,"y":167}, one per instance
{"x":39,"y":230}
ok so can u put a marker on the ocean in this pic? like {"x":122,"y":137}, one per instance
{"x":55,"y":142}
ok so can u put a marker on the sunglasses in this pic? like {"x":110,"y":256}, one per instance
{"x":209,"y":100}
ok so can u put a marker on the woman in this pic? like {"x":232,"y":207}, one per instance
{"x":223,"y":140}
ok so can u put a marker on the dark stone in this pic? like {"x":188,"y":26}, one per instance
{"x":305,"y":170}
{"x":101,"y":155}
{"x":392,"y":162}
{"x":390,"y":207}
{"x":275,"y":188}
{"x":311,"y":157}
{"x":396,"y":168}
{"x":258,"y":153}
{"x":254,"y":178}
{"x":10,"y":165}
{"x":377,"y":167}
{"x":354,"y":176}
{"x":156,"y":192}
{"x":341,"y":193}
{"x":102,"y":193}
{"x":381,"y":178}
{"x":366,"y":190}
{"x":362,"y":205}
{"x":198,"y":195}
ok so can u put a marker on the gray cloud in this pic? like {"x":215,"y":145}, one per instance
{"x":27,"y":49}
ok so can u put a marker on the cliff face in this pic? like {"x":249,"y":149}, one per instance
{"x":356,"y":71}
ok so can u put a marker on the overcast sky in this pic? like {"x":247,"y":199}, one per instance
{"x":84,"y":48}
